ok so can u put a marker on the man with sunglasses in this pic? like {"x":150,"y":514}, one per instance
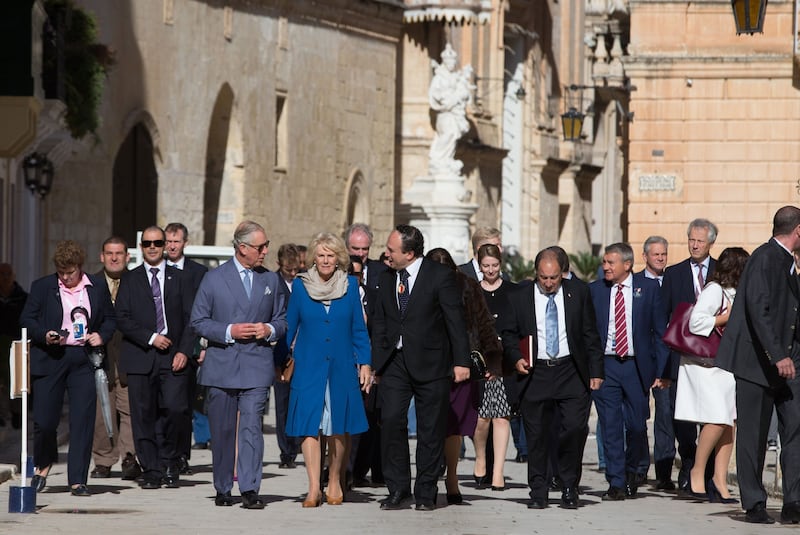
{"x":153,"y":303}
{"x":240,"y":309}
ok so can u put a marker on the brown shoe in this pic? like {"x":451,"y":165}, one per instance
{"x":101,"y":472}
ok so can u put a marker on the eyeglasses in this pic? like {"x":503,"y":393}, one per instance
{"x":260,"y":248}
{"x":152,"y":243}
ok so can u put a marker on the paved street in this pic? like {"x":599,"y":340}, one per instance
{"x":119,"y":507}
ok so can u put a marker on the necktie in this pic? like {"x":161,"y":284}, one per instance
{"x":551,"y":326}
{"x":114,"y":289}
{"x":157,"y":300}
{"x":700,"y":280}
{"x":620,"y":329}
{"x":402,"y":292}
{"x":248,"y":286}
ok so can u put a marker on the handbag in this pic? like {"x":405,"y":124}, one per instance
{"x":477,"y":365}
{"x":288,"y":369}
{"x":679,"y":338}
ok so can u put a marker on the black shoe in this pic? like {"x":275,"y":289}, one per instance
{"x":614,"y":494}
{"x":665,"y":484}
{"x":80,"y":490}
{"x":250,"y":500}
{"x":130,"y":468}
{"x":715,"y":496}
{"x":790,"y":514}
{"x":287,"y":464}
{"x":395,"y":501}
{"x":758,"y":514}
{"x":38,"y":482}
{"x":481,"y":481}
{"x":521,"y":458}
{"x":556,"y":484}
{"x":569,"y":498}
{"x":537,"y":503}
{"x":150,"y":483}
{"x":425,"y":506}
{"x":499,"y":488}
{"x":183,"y":466}
{"x":455,"y":499}
{"x":200,"y":446}
{"x":684,"y":477}
{"x":171,"y":479}
{"x":631,"y":487}
{"x":223,"y":500}
{"x":101,"y":472}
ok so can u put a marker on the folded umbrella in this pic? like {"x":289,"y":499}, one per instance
{"x":96,"y":357}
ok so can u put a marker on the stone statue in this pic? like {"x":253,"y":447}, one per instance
{"x":450,"y":93}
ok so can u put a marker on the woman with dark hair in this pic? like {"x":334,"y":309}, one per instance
{"x":495,"y":408}
{"x":66,"y":313}
{"x":463,"y":414}
{"x":707,"y":394}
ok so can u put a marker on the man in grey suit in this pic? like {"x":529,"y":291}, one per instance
{"x":240,"y":308}
{"x":760,"y":348}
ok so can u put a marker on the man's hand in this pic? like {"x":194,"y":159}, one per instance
{"x":94,"y":340}
{"x":162,"y":342}
{"x":262,"y":331}
{"x":201,"y":357}
{"x":460,"y":374}
{"x":179,"y":361}
{"x":595,"y":383}
{"x":522,"y":366}
{"x":785,"y":368}
{"x":661,"y":383}
{"x":245,"y":331}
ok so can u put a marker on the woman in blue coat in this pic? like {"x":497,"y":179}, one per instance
{"x":332,"y":358}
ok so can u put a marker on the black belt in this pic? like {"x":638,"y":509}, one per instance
{"x":554,"y":362}
{"x":620,"y":358}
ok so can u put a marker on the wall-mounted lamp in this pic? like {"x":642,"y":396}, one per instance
{"x":572,"y":120}
{"x":749,"y":15}
{"x":38,"y":171}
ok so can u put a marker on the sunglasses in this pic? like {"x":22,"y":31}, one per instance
{"x":153,"y":243}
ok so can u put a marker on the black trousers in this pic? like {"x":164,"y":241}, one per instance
{"x":555,"y":393}
{"x":75,"y":375}
{"x":288,"y":445}
{"x":159,"y":412}
{"x":432,"y":401}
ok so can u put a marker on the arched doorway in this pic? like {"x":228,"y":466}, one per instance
{"x":224,"y":189}
{"x":135,"y":185}
{"x":357,"y":200}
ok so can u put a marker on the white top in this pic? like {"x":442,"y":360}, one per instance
{"x":707,"y":307}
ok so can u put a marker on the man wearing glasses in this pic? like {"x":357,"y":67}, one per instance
{"x":240,"y":308}
{"x":153,"y":305}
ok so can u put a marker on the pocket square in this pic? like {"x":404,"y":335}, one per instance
{"x":267,"y":291}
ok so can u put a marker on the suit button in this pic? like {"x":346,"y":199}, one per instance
{"x":494,"y":316}
{"x":327,"y":339}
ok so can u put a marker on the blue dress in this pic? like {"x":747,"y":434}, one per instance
{"x":330,"y":344}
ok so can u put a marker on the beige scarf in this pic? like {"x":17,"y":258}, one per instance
{"x":324,"y":291}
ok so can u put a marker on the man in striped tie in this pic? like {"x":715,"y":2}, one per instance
{"x":631,"y":319}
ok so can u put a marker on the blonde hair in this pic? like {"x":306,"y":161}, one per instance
{"x":333,"y":243}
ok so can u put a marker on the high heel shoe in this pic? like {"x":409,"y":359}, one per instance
{"x":715,"y":496}
{"x":330,"y":500}
{"x":313,"y":502}
{"x":39,"y":481}
{"x":480,"y":481}
{"x":705,"y":496}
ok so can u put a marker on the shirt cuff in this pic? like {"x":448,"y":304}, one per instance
{"x":152,"y":339}
{"x":228,"y":338}
{"x":271,"y":333}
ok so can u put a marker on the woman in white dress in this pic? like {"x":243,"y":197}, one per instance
{"x":707,"y":394}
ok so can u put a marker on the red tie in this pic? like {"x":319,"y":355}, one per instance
{"x":620,"y":328}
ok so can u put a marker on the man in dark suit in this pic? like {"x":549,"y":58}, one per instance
{"x":419,"y":346}
{"x":681,"y":284}
{"x":564,"y":364}
{"x":358,"y":240}
{"x":153,"y":306}
{"x":760,"y":347}
{"x":114,"y":257}
{"x":177,"y":238}
{"x":631,"y":320}
{"x":240,"y":309}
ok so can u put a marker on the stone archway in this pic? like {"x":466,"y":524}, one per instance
{"x":134,"y":184}
{"x":356,"y":207}
{"x":224,"y":185}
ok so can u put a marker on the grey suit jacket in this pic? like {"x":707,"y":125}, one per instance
{"x":220,"y":301}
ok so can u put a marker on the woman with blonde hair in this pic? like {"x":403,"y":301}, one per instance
{"x":332,"y":358}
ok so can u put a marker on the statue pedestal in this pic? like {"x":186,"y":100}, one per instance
{"x":439,"y":207}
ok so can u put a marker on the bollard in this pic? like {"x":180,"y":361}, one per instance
{"x":21,"y":500}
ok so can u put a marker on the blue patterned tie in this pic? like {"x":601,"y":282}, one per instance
{"x":156,"y":289}
{"x":402,"y":292}
{"x":551,"y":326}
{"x":248,"y":287}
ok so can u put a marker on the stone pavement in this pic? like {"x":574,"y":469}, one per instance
{"x":120,"y":507}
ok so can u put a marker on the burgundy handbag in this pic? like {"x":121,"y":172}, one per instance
{"x":679,"y":338}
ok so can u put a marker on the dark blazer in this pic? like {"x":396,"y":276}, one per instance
{"x":195,"y":271}
{"x":375,"y":269}
{"x":584,"y":342}
{"x":136,"y":314}
{"x":762,"y":325}
{"x":43,"y":312}
{"x":678,"y":287}
{"x":649,"y":323}
{"x":433,"y":330}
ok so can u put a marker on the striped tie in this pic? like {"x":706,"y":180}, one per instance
{"x":620,"y":329}
{"x":156,"y":289}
